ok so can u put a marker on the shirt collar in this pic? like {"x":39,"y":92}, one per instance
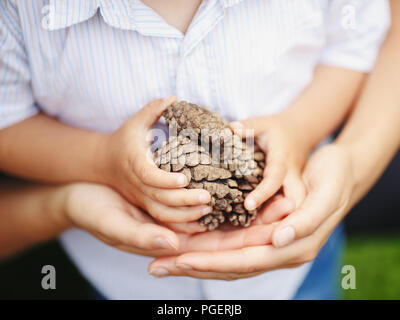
{"x":59,"y":14}
{"x":123,"y":14}
{"x":230,"y":3}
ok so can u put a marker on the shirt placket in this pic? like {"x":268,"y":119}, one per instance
{"x":209,"y":14}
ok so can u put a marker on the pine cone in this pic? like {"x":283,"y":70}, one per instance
{"x":203,"y":147}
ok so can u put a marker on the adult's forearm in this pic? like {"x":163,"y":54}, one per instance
{"x":324,"y":104}
{"x":29,"y":214}
{"x":372,"y":134}
{"x":43,"y":149}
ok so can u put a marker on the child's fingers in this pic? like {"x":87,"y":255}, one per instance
{"x":119,"y":227}
{"x":280,"y":206}
{"x":274,"y":172}
{"x":274,"y":175}
{"x":275,"y":209}
{"x":176,"y":214}
{"x":149,"y":174}
{"x":178,"y":197}
{"x":267,"y":188}
{"x":141,"y":158}
{"x":151,"y":112}
{"x":184,"y":227}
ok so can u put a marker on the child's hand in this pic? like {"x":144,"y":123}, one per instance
{"x":284,"y":162}
{"x":109,"y":217}
{"x":130,"y":169}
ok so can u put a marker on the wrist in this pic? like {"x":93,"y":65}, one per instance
{"x":305,"y":126}
{"x":359,"y":174}
{"x":100,"y":166}
{"x":299,"y":136}
{"x":56,"y":207}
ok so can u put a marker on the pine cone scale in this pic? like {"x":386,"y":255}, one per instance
{"x":207,"y":152}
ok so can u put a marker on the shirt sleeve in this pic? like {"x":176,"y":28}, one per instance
{"x":355,"y":31}
{"x":16,"y":98}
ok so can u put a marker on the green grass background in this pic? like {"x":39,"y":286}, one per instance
{"x":377,"y":263}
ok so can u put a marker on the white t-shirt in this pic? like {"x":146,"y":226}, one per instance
{"x":94,"y":63}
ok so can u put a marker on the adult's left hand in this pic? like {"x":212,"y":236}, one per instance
{"x":296,"y":239}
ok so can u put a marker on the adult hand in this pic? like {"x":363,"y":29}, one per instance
{"x":296,"y":239}
{"x":109,"y":217}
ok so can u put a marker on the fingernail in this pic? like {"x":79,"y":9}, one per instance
{"x":182,"y":180}
{"x":251,"y":204}
{"x":159,"y":272}
{"x":163,"y":243}
{"x":204,"y":198}
{"x":206,"y":210}
{"x":283,"y":237}
{"x":183,"y":266}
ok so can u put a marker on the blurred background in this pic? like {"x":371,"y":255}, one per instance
{"x":372,"y":247}
{"x":373,"y":239}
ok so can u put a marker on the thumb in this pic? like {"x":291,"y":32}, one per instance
{"x":120,"y":227}
{"x":152,"y":111}
{"x":294,"y":187}
{"x":304,"y":221}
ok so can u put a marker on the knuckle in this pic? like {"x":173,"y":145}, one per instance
{"x":230,"y":277}
{"x":249,"y":269}
{"x":154,"y":212}
{"x":309,"y":255}
{"x":266,"y":189}
{"x":108,"y":241}
{"x":127,"y":164}
{"x":156,"y":196}
{"x":185,"y":198}
{"x":167,"y":216}
{"x":309,"y":225}
{"x":144,"y":174}
{"x":246,"y":266}
{"x":264,"y":183}
{"x":156,"y":102}
{"x":152,"y":104}
{"x":140,"y":240}
{"x":178,"y":227}
{"x":103,"y":228}
{"x":132,"y":163}
{"x":276,"y":173}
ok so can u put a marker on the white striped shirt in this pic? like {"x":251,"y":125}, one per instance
{"x":94,"y":63}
